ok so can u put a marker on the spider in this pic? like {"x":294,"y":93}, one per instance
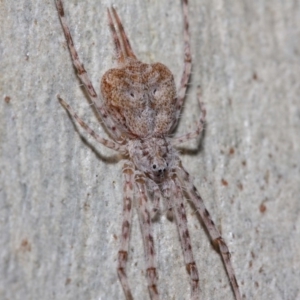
{"x":140,"y":108}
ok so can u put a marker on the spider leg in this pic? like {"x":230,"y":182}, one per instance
{"x":173,"y":189}
{"x":187,"y":63}
{"x":128,"y":172}
{"x":156,"y":201}
{"x":156,"y":197}
{"x":200,"y":125}
{"x":84,"y":77}
{"x":122,"y":54}
{"x":214,"y":233}
{"x":108,"y":143}
{"x":146,"y":229}
{"x":118,"y":48}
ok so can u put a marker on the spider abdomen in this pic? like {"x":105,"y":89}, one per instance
{"x":141,"y":98}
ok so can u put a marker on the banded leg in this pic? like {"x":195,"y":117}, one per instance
{"x":122,"y":54}
{"x":156,"y":197}
{"x":156,"y":202}
{"x":214,"y":233}
{"x":128,"y":173}
{"x":187,"y":63}
{"x":84,"y":77}
{"x":146,"y":229}
{"x":200,"y":125}
{"x":181,"y":221}
{"x":107,"y":143}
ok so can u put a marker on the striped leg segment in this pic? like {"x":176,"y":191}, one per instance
{"x":146,"y":229}
{"x":173,"y":193}
{"x":128,"y":173}
{"x":214,"y":233}
{"x":126,"y":52}
{"x":187,"y":68}
{"x":153,"y":187}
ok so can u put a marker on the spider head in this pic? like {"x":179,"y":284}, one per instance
{"x":159,"y":167}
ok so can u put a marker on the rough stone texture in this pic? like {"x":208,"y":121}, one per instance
{"x":60,"y":192}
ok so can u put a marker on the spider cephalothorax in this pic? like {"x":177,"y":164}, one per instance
{"x":154,"y":157}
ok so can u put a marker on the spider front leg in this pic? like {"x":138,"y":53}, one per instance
{"x":84,"y":77}
{"x":127,"y":52}
{"x":128,"y":173}
{"x":214,"y":233}
{"x":146,"y":229}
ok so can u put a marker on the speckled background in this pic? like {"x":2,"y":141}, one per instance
{"x":61,"y":193}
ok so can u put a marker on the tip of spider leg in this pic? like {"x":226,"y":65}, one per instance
{"x":60,"y":99}
{"x":113,"y":9}
{"x":62,"y":102}
{"x":110,"y":21}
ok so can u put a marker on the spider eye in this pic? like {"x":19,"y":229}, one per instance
{"x":131,"y":94}
{"x":154,"y":91}
{"x":154,"y":166}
